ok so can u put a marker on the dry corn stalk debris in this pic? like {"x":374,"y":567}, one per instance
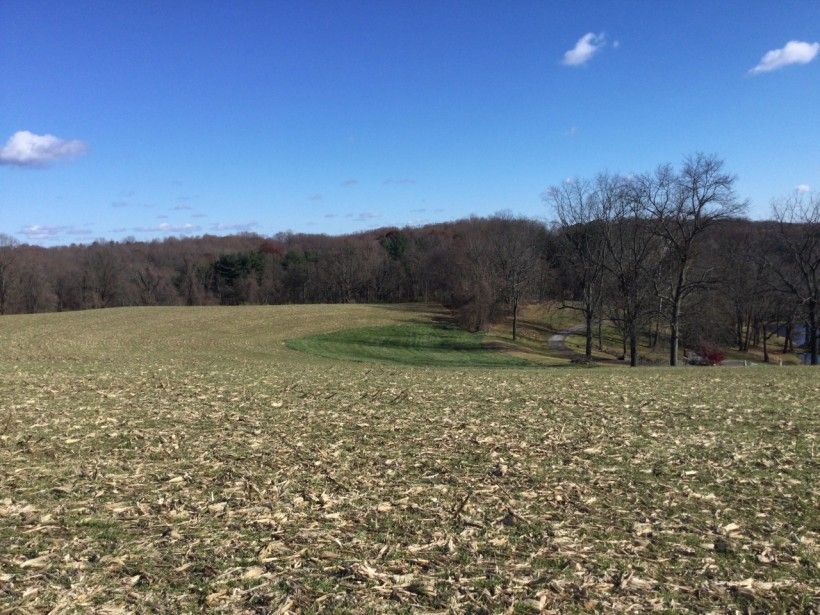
{"x":205,"y":467}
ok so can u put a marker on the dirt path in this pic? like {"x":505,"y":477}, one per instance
{"x":558,"y":342}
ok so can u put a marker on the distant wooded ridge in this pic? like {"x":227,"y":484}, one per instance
{"x":666,"y":254}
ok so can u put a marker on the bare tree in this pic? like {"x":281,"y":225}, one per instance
{"x":515,"y":261}
{"x":632,"y":253}
{"x":102,"y":274}
{"x":582,"y":234}
{"x":797,"y":262}
{"x":7,"y":257}
{"x":189,"y":283}
{"x":684,"y":206}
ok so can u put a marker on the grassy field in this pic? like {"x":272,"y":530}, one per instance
{"x":613,"y":349}
{"x":186,"y":460}
{"x":425,"y":344}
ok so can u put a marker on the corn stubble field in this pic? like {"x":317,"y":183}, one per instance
{"x":185,"y":459}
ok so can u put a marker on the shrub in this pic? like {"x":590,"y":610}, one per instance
{"x":711,"y":354}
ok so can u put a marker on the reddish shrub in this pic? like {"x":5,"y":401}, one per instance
{"x":711,"y":354}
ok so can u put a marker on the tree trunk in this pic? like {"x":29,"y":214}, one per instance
{"x":600,"y":335}
{"x":812,"y":309}
{"x":515,"y":319}
{"x":673,"y":332}
{"x":748,"y":333}
{"x":739,"y":326}
{"x":633,"y":346}
{"x":788,"y":336}
{"x":765,"y":345}
{"x":588,"y":324}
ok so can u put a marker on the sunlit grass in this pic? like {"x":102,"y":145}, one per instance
{"x":410,"y":344}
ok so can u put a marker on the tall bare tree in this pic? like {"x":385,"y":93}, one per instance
{"x":632,"y":251}
{"x":582,"y":233}
{"x":684,"y":206}
{"x":796,"y":264}
{"x":7,"y":257}
{"x":515,"y":262}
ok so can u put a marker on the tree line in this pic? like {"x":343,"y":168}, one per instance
{"x":664,"y":256}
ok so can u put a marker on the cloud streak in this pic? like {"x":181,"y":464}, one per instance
{"x":364,"y":216}
{"x":167,"y":227}
{"x":245,"y":227}
{"x":586,"y":47}
{"x":35,"y":232}
{"x":793,"y":52}
{"x":26,"y":149}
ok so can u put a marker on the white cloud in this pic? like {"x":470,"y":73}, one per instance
{"x":36,"y":232}
{"x":802,"y":188}
{"x":794,"y":52}
{"x":586,"y":47}
{"x":26,"y":149}
{"x":167,"y":227}
{"x":237,"y":228}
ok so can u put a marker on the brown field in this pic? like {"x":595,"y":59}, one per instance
{"x":186,"y":459}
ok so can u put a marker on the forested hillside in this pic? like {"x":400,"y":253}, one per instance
{"x":666,"y":255}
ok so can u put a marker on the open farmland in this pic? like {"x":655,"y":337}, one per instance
{"x":186,"y":459}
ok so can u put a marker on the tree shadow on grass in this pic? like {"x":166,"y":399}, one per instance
{"x":433,"y":344}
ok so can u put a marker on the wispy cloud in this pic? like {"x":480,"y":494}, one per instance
{"x":405,"y":181}
{"x":793,"y":52}
{"x":39,"y":232}
{"x":167,"y":227}
{"x":199,"y":215}
{"x":241,"y":227}
{"x":182,"y":207}
{"x":803,"y":188}
{"x":26,"y":149}
{"x":364,"y":216}
{"x":572,"y":131}
{"x":350,"y":182}
{"x":586,"y":47}
{"x":122,"y":204}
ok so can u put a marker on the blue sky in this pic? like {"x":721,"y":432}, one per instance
{"x":193,"y":117}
